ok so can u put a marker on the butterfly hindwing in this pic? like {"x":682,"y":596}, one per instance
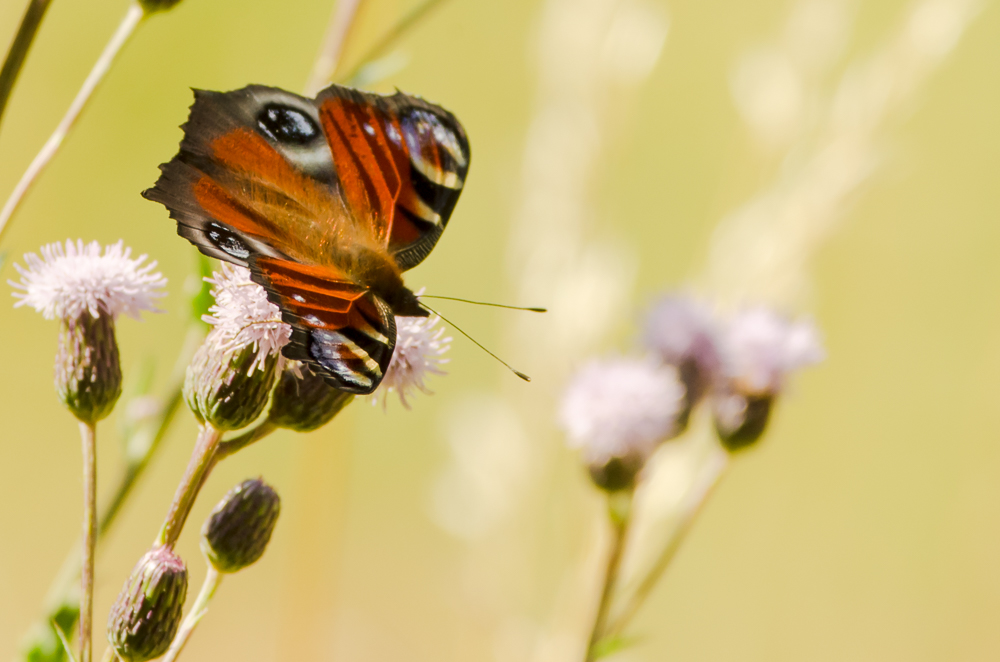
{"x":341,"y":329}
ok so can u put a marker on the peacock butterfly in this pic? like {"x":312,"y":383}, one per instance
{"x":326,"y":201}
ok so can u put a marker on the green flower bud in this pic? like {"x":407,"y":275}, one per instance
{"x":229,"y":388}
{"x":617,"y":473}
{"x":145,"y":618}
{"x":88,"y":369}
{"x":740,"y":420}
{"x":303,"y":401}
{"x":152,"y":6}
{"x":238,"y":530}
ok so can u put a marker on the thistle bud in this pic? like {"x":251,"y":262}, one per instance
{"x":681,"y":330}
{"x":228,"y":388}
{"x":303,"y":401}
{"x":762,"y":349}
{"x":232,"y":373}
{"x":147,"y":613}
{"x":238,"y":530}
{"x":740,"y":420}
{"x":86,"y":288}
{"x":617,"y":411}
{"x":88,"y":369}
{"x":616,"y":473}
{"x":152,"y":6}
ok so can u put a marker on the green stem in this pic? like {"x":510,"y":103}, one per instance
{"x":88,"y":435}
{"x":58,"y":604}
{"x":620,"y":517}
{"x":121,"y":36}
{"x":694,"y":503}
{"x":211,"y":584}
{"x":251,"y":436}
{"x":19,"y":48}
{"x":201,"y":463}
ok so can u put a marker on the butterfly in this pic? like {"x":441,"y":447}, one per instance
{"x":326,"y":201}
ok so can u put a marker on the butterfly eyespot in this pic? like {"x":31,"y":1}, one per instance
{"x":287,"y":125}
{"x":227,"y":241}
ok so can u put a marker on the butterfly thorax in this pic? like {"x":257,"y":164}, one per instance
{"x":376,"y":270}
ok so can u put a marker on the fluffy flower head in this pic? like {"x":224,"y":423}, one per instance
{"x":420,"y":346}
{"x":617,"y":408}
{"x":762,"y":347}
{"x":243,"y":317}
{"x":681,"y":328}
{"x":66,"y":282}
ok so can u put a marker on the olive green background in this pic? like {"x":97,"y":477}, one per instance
{"x":866,"y":526}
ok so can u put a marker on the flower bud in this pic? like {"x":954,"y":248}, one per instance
{"x":88,"y":369}
{"x":616,"y":473}
{"x":238,"y":530}
{"x":228,"y":388}
{"x":152,"y":6}
{"x":147,"y":613}
{"x":303,"y":401}
{"x":740,"y":420}
{"x":617,"y":411}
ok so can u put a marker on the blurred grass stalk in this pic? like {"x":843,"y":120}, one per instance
{"x":19,"y":48}
{"x":133,"y":16}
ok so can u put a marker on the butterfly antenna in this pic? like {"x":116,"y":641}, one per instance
{"x":483,"y":303}
{"x":477,"y":343}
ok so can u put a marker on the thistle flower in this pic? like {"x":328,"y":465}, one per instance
{"x":147,"y":613}
{"x":418,"y":352}
{"x":63,"y":284}
{"x":761,"y":349}
{"x":231,"y":375}
{"x":617,"y":411}
{"x":682,"y":331}
{"x":303,"y":401}
{"x":242,"y":316}
{"x":86,"y":290}
{"x":236,"y":534}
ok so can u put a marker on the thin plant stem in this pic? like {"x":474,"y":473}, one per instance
{"x":693,"y":504}
{"x":620,"y":517}
{"x":66,"y":581}
{"x":251,"y":436}
{"x":208,"y":588}
{"x":392,"y":36}
{"x":208,"y":451}
{"x":121,"y":36}
{"x":19,"y":48}
{"x":230,"y":446}
{"x":88,"y":436}
{"x":332,"y":48}
{"x":201,"y":462}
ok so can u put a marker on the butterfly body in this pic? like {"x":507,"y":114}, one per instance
{"x":327,"y":201}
